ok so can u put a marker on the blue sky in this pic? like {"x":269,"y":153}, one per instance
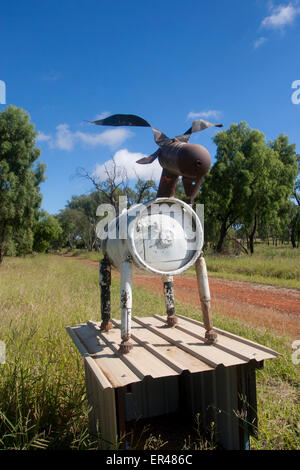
{"x":169,"y":61}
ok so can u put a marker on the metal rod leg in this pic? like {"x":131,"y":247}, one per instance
{"x":126,"y":306}
{"x":204,"y":294}
{"x":169,"y":300}
{"x":105,"y":282}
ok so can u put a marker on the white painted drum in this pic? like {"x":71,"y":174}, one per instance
{"x":164,"y":236}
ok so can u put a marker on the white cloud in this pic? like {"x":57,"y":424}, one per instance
{"x":41,"y":137}
{"x":65,"y":139}
{"x":111,"y":137}
{"x":259,"y":42}
{"x":210,"y":114}
{"x":281,"y":16}
{"x":125,"y":160}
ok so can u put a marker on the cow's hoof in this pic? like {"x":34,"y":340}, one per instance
{"x":125,"y":347}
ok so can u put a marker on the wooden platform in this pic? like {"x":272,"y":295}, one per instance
{"x":170,"y":370}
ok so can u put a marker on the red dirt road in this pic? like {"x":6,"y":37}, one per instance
{"x":258,"y":305}
{"x":265,"y":306}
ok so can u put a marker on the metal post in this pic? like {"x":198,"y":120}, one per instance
{"x":126,"y":306}
{"x":169,"y":300}
{"x":204,"y":294}
{"x":105,"y":282}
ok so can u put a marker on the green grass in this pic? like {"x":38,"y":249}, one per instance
{"x":42,"y":390}
{"x":91,"y":255}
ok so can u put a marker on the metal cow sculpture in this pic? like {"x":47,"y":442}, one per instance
{"x":176,"y":156}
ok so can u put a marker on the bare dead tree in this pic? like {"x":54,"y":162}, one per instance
{"x":116,"y":183}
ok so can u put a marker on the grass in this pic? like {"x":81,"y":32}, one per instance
{"x":42,"y":390}
{"x":276,"y":266}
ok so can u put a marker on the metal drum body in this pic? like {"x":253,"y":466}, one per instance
{"x":164,"y":236}
{"x":182,"y":159}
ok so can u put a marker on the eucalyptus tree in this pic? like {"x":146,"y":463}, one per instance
{"x":46,"y":232}
{"x":250,"y":181}
{"x":20,"y":178}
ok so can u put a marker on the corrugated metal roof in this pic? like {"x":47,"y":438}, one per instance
{"x":160,"y":351}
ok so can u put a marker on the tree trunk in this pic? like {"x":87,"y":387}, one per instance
{"x":71,"y":238}
{"x":293,"y":235}
{"x":240,"y":244}
{"x":1,"y":254}
{"x":222,"y":236}
{"x":251,"y":236}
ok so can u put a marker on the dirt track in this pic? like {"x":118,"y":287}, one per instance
{"x":265,"y":306}
{"x":258,"y":305}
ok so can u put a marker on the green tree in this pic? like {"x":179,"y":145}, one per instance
{"x":23,"y":241}
{"x":68,"y":225}
{"x":46,"y":232}
{"x":292,"y":223}
{"x":82,"y":211}
{"x":226,"y":187}
{"x":295,"y":215}
{"x":20,"y":177}
{"x":296,"y":191}
{"x":143,"y":191}
{"x":249,"y":183}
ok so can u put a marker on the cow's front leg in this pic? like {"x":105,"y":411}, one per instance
{"x":105,"y":282}
{"x":126,"y":306}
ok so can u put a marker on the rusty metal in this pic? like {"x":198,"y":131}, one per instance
{"x":165,"y":351}
{"x":176,"y":156}
{"x":184,"y":159}
{"x":171,"y":370}
{"x":167,"y":184}
{"x":172,"y":320}
{"x":105,"y":301}
{"x":125,"y":347}
{"x":204,"y":294}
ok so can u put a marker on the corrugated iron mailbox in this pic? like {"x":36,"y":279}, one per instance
{"x":171,"y":371}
